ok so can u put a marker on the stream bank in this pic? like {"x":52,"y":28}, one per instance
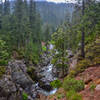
{"x":16,"y":81}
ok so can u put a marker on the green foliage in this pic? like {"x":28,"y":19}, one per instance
{"x":83,"y":64}
{"x":92,"y":86}
{"x":44,"y":48}
{"x":72,"y":95}
{"x":72,"y":84}
{"x":72,"y":73}
{"x":32,"y":53}
{"x":56,"y":84}
{"x":2,"y":71}
{"x":60,"y":59}
{"x":4,"y":55}
{"x":60,"y":96}
{"x":25,"y":96}
{"x":21,"y":29}
{"x":3,"y":62}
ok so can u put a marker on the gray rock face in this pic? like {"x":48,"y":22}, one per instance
{"x":45,"y":76}
{"x":44,"y":73}
{"x":97,"y":88}
{"x":19,"y":74}
{"x":16,"y":81}
{"x":8,"y":90}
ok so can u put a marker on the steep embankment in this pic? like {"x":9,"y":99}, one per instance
{"x":91,"y":77}
{"x":17,"y":81}
{"x":88,"y":70}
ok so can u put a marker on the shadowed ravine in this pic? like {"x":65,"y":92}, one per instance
{"x":45,"y":75}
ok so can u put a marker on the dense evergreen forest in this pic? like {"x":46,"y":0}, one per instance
{"x":30,"y":69}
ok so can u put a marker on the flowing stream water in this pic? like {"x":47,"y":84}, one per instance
{"x":47,"y":77}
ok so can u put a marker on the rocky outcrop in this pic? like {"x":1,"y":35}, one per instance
{"x":91,"y":76}
{"x":44,"y":73}
{"x":16,"y":81}
{"x":9,"y":90}
{"x":19,"y":75}
{"x":45,"y":76}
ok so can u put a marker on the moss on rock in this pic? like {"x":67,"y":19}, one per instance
{"x":2,"y":71}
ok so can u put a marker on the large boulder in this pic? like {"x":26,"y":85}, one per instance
{"x":19,"y":74}
{"x":8,"y":90}
{"x":16,"y":81}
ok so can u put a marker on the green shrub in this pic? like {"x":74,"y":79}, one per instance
{"x":44,"y":48}
{"x":56,"y":84}
{"x":96,"y":60}
{"x":72,"y":95}
{"x":72,"y":73}
{"x":3,"y":62}
{"x":69,"y":94}
{"x":81,"y":66}
{"x":92,"y":86}
{"x":2,"y":71}
{"x":83,"y":63}
{"x":77,"y":97}
{"x":72,"y":84}
{"x":25,"y":96}
{"x":60,"y":96}
{"x":4,"y":55}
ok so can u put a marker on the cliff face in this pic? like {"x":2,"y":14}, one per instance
{"x":16,"y":82}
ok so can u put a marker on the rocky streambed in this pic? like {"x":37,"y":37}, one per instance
{"x":16,"y":81}
{"x":45,"y":76}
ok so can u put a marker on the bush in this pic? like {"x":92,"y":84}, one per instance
{"x":92,"y":86}
{"x":4,"y":55}
{"x":3,"y":62}
{"x":72,"y":73}
{"x":72,"y":95}
{"x":2,"y":71}
{"x":81,"y":66}
{"x":25,"y":96}
{"x":60,"y":96}
{"x":72,"y":84}
{"x":44,"y":48}
{"x":56,"y":84}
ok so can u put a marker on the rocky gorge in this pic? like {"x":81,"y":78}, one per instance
{"x":17,"y":81}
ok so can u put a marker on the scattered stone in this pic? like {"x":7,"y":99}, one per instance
{"x":97,"y":88}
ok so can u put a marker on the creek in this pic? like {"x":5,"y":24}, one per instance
{"x":45,"y":76}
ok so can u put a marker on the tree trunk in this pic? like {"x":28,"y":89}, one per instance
{"x":83,"y":33}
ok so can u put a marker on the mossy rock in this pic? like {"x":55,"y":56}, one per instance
{"x":96,"y":60}
{"x":2,"y":71}
{"x":3,"y":62}
{"x":72,"y":73}
{"x":97,"y":41}
{"x":90,"y":55}
{"x":30,"y":71}
{"x":84,"y":63}
{"x":80,"y":67}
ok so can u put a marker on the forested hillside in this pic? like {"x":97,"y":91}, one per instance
{"x":54,"y":14}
